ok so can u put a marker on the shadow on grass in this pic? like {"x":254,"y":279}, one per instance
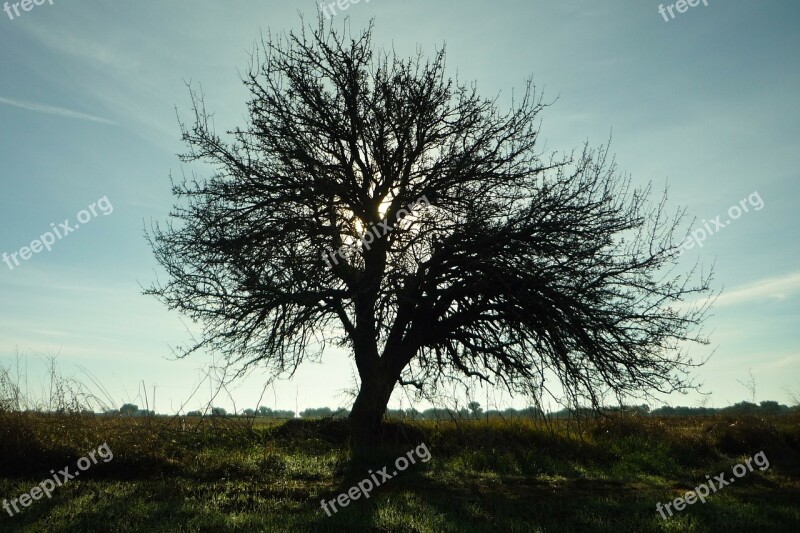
{"x":480,"y":478}
{"x":576,"y":505}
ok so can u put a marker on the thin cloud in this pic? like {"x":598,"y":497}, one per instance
{"x":52,"y":110}
{"x":766,"y":289}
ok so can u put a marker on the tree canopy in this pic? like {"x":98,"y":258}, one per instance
{"x":487,"y":259}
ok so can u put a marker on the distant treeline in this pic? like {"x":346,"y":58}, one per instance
{"x":764,"y":408}
{"x":474,"y":411}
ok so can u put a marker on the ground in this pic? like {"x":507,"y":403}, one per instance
{"x":235,"y":475}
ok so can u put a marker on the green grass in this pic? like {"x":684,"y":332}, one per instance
{"x":602,"y":475}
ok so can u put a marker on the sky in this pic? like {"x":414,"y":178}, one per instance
{"x":91,"y":93}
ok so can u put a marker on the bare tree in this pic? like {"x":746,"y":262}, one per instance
{"x":373,"y":202}
{"x":749,"y":384}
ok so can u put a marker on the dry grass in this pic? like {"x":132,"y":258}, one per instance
{"x":225,"y":474}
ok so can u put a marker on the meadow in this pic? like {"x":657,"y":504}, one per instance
{"x":237,"y":474}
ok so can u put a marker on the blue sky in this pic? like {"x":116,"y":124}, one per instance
{"x":706,"y":103}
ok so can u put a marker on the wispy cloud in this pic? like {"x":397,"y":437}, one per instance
{"x":779,"y":362}
{"x":52,"y":110}
{"x":114,"y":52}
{"x":777,"y":288}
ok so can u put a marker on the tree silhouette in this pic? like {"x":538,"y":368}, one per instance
{"x":485,"y":258}
{"x":475,"y":408}
{"x":129,"y":409}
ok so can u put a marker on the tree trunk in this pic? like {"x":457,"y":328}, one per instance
{"x":368,"y":410}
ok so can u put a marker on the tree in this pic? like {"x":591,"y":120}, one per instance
{"x":370,"y":201}
{"x":218,"y":411}
{"x":769,"y":407}
{"x":129,"y":409}
{"x":267,"y":412}
{"x":318,"y":412}
{"x":476,"y":409}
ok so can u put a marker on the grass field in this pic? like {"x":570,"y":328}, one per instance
{"x":227,"y":475}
